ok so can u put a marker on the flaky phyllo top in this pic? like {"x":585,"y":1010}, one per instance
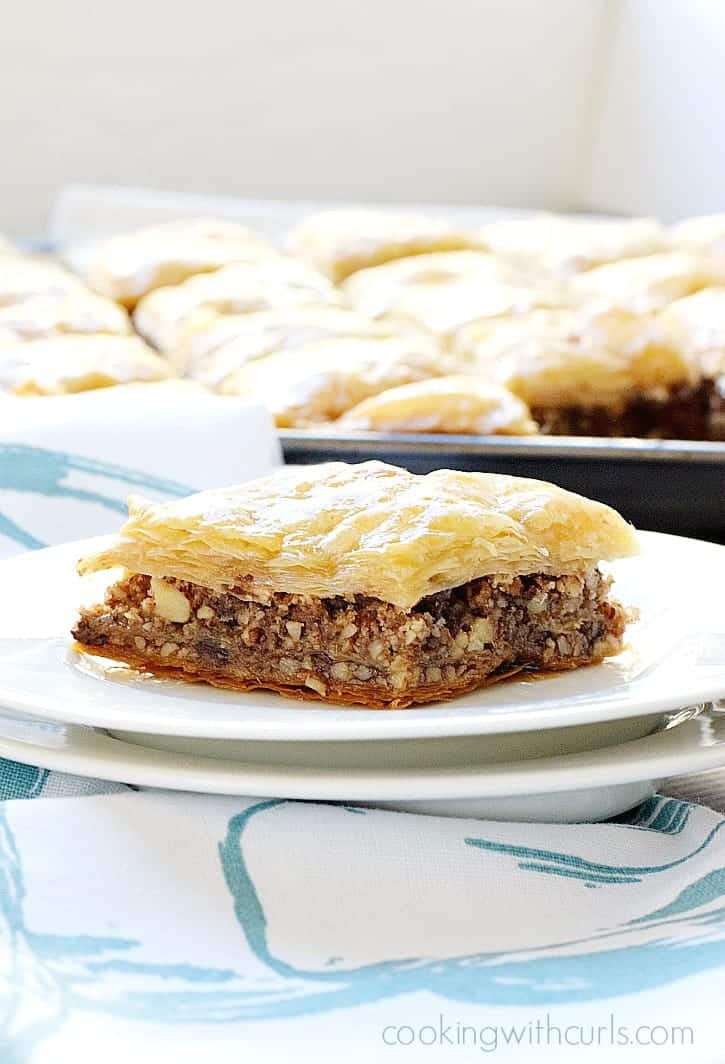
{"x":369,"y":529}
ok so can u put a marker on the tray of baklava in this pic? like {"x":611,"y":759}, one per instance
{"x":588,"y":352}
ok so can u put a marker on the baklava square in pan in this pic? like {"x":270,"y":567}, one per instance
{"x":128,"y":266}
{"x":343,"y":241}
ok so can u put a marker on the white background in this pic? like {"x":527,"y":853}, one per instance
{"x":568,"y":103}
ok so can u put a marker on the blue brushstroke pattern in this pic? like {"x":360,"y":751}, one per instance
{"x":702,"y":892}
{"x":562,"y":864}
{"x":79,"y":970}
{"x":38,"y":471}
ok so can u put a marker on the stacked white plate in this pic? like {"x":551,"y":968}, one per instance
{"x":581,"y":745}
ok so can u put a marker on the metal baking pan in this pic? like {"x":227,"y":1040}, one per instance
{"x":664,"y":485}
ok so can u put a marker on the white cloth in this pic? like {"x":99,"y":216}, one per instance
{"x":68,"y":463}
{"x":164,"y":928}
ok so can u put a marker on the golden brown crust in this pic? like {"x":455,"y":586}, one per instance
{"x":30,"y":276}
{"x":129,"y":265}
{"x":568,"y":244}
{"x":320,"y":381}
{"x":61,"y":365}
{"x":43,"y":316}
{"x":444,"y":291}
{"x":210,"y":346}
{"x":456,"y":404}
{"x":371,"y":528}
{"x":595,"y":356}
{"x":650,"y":282}
{"x":698,"y":324}
{"x":340,"y":242}
{"x":273,"y":282}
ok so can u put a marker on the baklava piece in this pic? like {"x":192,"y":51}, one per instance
{"x":25,"y":277}
{"x":361,"y":584}
{"x":705,"y":234}
{"x":319,"y":382}
{"x":64,"y":364}
{"x":341,"y":242}
{"x":460,"y":405}
{"x":275,"y":281}
{"x":698,"y":323}
{"x":650,"y":282}
{"x":566,"y":245}
{"x":210,"y":345}
{"x":43,"y":316}
{"x":443,"y":292}
{"x":594,"y":372}
{"x":127,"y":266}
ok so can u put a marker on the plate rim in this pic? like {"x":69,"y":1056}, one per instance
{"x":638,"y":760}
{"x":350,"y":723}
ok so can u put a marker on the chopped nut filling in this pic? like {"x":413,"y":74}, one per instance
{"x":686,"y":413}
{"x":357,"y":649}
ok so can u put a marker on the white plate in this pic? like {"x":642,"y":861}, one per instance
{"x":675,"y":658}
{"x":583,"y":786}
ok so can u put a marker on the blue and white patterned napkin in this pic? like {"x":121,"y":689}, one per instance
{"x":172,"y":927}
{"x":68,"y":463}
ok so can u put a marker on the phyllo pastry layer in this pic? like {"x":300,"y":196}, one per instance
{"x":443,"y":292}
{"x":43,"y":316}
{"x":698,"y":324}
{"x":566,"y":244}
{"x":362,"y":584}
{"x":650,"y":282}
{"x":316,"y":383}
{"x":340,"y":242}
{"x":460,"y":405}
{"x":24,"y":277}
{"x":242,"y":288}
{"x":599,"y":370}
{"x":60,"y":365}
{"x":129,"y":265}
{"x":210,"y":345}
